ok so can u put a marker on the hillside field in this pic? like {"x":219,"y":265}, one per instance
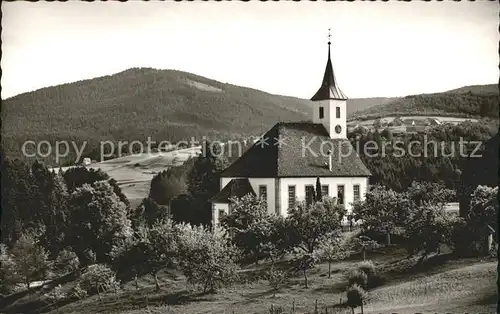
{"x":440,"y":285}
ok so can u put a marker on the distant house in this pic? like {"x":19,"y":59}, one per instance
{"x":416,"y":125}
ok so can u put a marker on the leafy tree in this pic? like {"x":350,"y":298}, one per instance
{"x":28,"y":260}
{"x":356,"y":297}
{"x":427,"y":228}
{"x":207,"y":259}
{"x":302,"y":262}
{"x":159,"y":243}
{"x":98,"y":221}
{"x":76,"y":177}
{"x":98,"y":278}
{"x":429,"y":193}
{"x":254,"y":231}
{"x":166,"y":185}
{"x":307,"y":224}
{"x":203,"y":181}
{"x":363,"y":244}
{"x":276,"y":278}
{"x":17,"y":200}
{"x":332,"y":248}
{"x":382,"y":210}
{"x":148,"y":212}
{"x":482,"y":220}
{"x":66,"y":262}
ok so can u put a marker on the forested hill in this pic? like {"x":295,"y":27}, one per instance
{"x":478,"y":101}
{"x":166,"y":105}
{"x":141,"y":102}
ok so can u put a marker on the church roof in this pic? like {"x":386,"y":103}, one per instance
{"x":329,"y":88}
{"x":235,"y":188}
{"x":298,"y":149}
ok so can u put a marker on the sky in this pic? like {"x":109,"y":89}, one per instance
{"x":378,"y":48}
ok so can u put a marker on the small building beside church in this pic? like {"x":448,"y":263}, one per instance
{"x":282,"y":167}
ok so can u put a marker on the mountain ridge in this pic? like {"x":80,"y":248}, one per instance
{"x":138,"y":103}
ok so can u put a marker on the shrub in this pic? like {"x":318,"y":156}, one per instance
{"x":77,"y":292}
{"x":99,"y":278}
{"x":56,"y":294}
{"x":368,"y":268}
{"x":356,"y":277}
{"x":276,"y":279}
{"x":206,"y":258}
{"x":356,"y":297}
{"x":66,"y":262}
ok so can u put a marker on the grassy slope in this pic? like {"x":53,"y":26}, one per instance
{"x":440,"y":285}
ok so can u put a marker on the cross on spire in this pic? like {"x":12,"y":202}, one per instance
{"x":329,"y":36}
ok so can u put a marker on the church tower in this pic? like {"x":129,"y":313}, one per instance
{"x":329,"y":104}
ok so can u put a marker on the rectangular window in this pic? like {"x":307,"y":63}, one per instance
{"x":309,"y":194}
{"x":338,"y":112}
{"x":321,"y":112}
{"x":340,"y":194}
{"x":263,"y":192}
{"x":291,"y":196}
{"x":222,"y":213}
{"x":356,"y":192}
{"x":324,"y":190}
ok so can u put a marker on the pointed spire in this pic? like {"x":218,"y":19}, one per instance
{"x":329,"y":88}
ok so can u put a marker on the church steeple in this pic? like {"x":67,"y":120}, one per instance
{"x":329,"y":103}
{"x":329,"y":88}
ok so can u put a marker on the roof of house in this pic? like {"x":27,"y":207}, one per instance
{"x":235,"y":188}
{"x":298,"y":149}
{"x":329,"y":88}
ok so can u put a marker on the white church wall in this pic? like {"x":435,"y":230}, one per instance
{"x":332,"y":182}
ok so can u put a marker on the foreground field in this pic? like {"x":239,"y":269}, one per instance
{"x":440,"y":285}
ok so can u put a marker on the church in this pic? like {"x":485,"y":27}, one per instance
{"x":283,"y":166}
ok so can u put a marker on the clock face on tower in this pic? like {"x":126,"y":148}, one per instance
{"x":338,"y":129}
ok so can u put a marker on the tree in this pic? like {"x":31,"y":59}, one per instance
{"x":302,"y":262}
{"x":306,"y":225}
{"x":76,"y":177}
{"x":29,"y":260}
{"x":149,"y":250}
{"x":66,"y":262}
{"x":254,"y":231}
{"x":148,"y":212}
{"x":427,"y":228}
{"x":206,"y":258}
{"x":167,"y":185}
{"x":363,"y":244}
{"x":98,"y":221}
{"x":332,"y":248}
{"x":276,"y":279}
{"x":429,"y":193}
{"x":355,"y":297}
{"x":482,"y":219}
{"x":203,"y":181}
{"x":382,"y":210}
{"x":17,"y":200}
{"x":319,"y":195}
